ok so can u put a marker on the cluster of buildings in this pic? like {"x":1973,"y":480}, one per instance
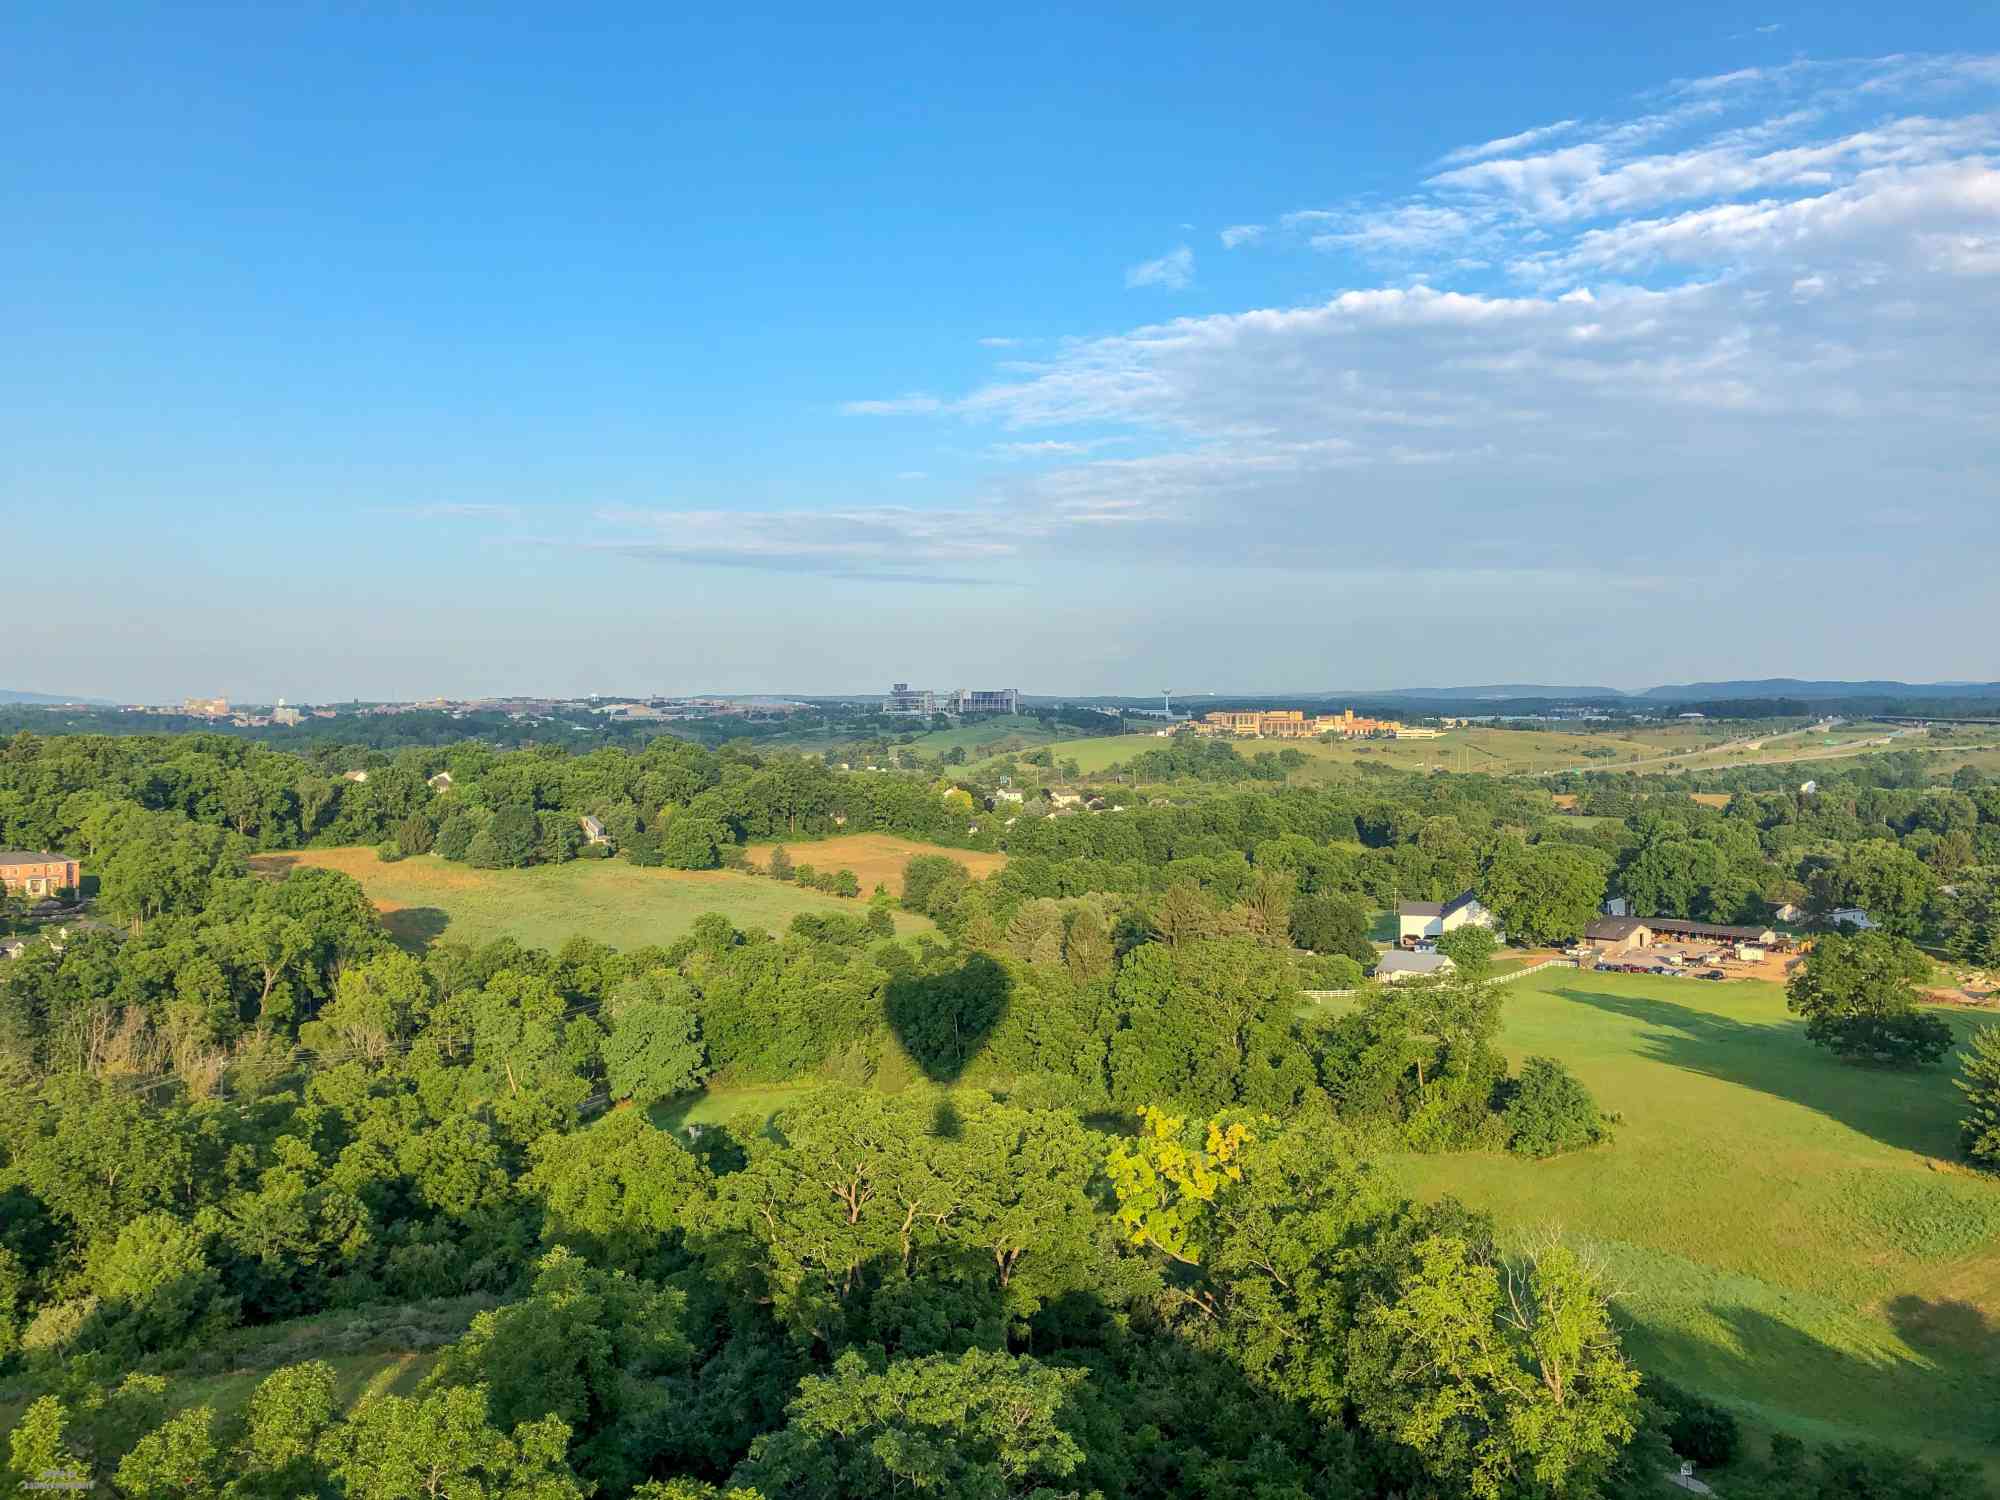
{"x":1294,"y":724}
{"x":218,"y":711}
{"x":904,"y":699}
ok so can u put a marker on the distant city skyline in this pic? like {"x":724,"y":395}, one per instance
{"x":393,"y":354}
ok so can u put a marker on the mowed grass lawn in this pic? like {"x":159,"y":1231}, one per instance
{"x":427,"y":898}
{"x":873,"y":857}
{"x":1791,"y":1234}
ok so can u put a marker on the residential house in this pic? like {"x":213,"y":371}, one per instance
{"x":1851,"y":916}
{"x":593,"y":830}
{"x":1790,"y":912}
{"x":1394,"y":968}
{"x":27,"y":874}
{"x":1426,"y":921}
{"x":441,"y":782}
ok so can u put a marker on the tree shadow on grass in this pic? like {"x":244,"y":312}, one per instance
{"x":1784,"y":1377}
{"x":945,"y":1020}
{"x":1912,"y":1111}
{"x":415,"y":928}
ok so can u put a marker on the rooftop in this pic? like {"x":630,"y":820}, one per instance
{"x":1412,"y":963}
{"x":1616,"y":927}
{"x":30,"y":857}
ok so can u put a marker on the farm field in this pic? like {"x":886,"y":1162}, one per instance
{"x":1503,"y":752}
{"x":1791,"y":1235}
{"x":873,"y":857}
{"x":1498,"y":751}
{"x":427,"y":898}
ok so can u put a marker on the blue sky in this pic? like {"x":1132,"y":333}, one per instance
{"x":357,"y":351}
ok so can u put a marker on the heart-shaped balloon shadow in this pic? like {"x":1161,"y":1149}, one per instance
{"x":944,"y":1020}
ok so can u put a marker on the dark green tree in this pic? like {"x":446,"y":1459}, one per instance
{"x":1858,"y":994}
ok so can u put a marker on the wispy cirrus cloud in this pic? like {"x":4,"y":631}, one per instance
{"x":915,"y":404}
{"x":1505,"y":144}
{"x":1237,"y":235}
{"x":1761,"y":301}
{"x":1173,"y":270}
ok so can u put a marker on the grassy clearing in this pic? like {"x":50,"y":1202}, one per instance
{"x":873,"y":857}
{"x":424,"y":899}
{"x":1789,"y":1233}
{"x":985,"y":737}
{"x":719,"y":1106}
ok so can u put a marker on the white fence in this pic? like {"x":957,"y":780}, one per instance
{"x":1507,"y":978}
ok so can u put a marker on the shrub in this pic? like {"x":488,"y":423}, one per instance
{"x":415,"y":835}
{"x":454,"y":836}
{"x":845,"y":883}
{"x":692,"y":843}
{"x":1329,"y":971}
{"x":1697,"y":1427}
{"x":1550,"y":1111}
{"x":779,"y":866}
{"x":1470,"y":948}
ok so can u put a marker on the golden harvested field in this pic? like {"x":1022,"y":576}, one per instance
{"x":427,"y":898}
{"x":875,"y":858}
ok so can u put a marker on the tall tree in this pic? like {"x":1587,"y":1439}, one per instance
{"x":1859,"y":998}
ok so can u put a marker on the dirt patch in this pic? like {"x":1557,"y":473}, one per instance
{"x":875,"y":858}
{"x":1710,"y":799}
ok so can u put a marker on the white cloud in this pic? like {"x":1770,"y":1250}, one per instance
{"x":1505,"y":144}
{"x":1762,"y":306}
{"x":1175,"y":269}
{"x":998,"y":343}
{"x":1241,"y":234}
{"x":899,"y":406}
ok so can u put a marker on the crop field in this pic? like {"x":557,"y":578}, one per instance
{"x":427,"y":898}
{"x":1791,"y":1234}
{"x":873,"y":857}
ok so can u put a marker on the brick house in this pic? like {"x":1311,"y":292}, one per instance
{"x":26,"y":874}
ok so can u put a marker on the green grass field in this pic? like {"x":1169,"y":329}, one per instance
{"x":1789,"y":1233}
{"x":1495,"y":751}
{"x":428,"y":898}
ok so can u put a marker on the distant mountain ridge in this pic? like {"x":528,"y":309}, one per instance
{"x":1687,"y":692}
{"x":1497,"y":691}
{"x":1793,"y":687}
{"x":8,"y":695}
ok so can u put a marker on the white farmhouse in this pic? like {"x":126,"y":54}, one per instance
{"x":1426,"y":921}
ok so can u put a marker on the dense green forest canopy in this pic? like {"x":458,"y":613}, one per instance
{"x":1073,"y":1198}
